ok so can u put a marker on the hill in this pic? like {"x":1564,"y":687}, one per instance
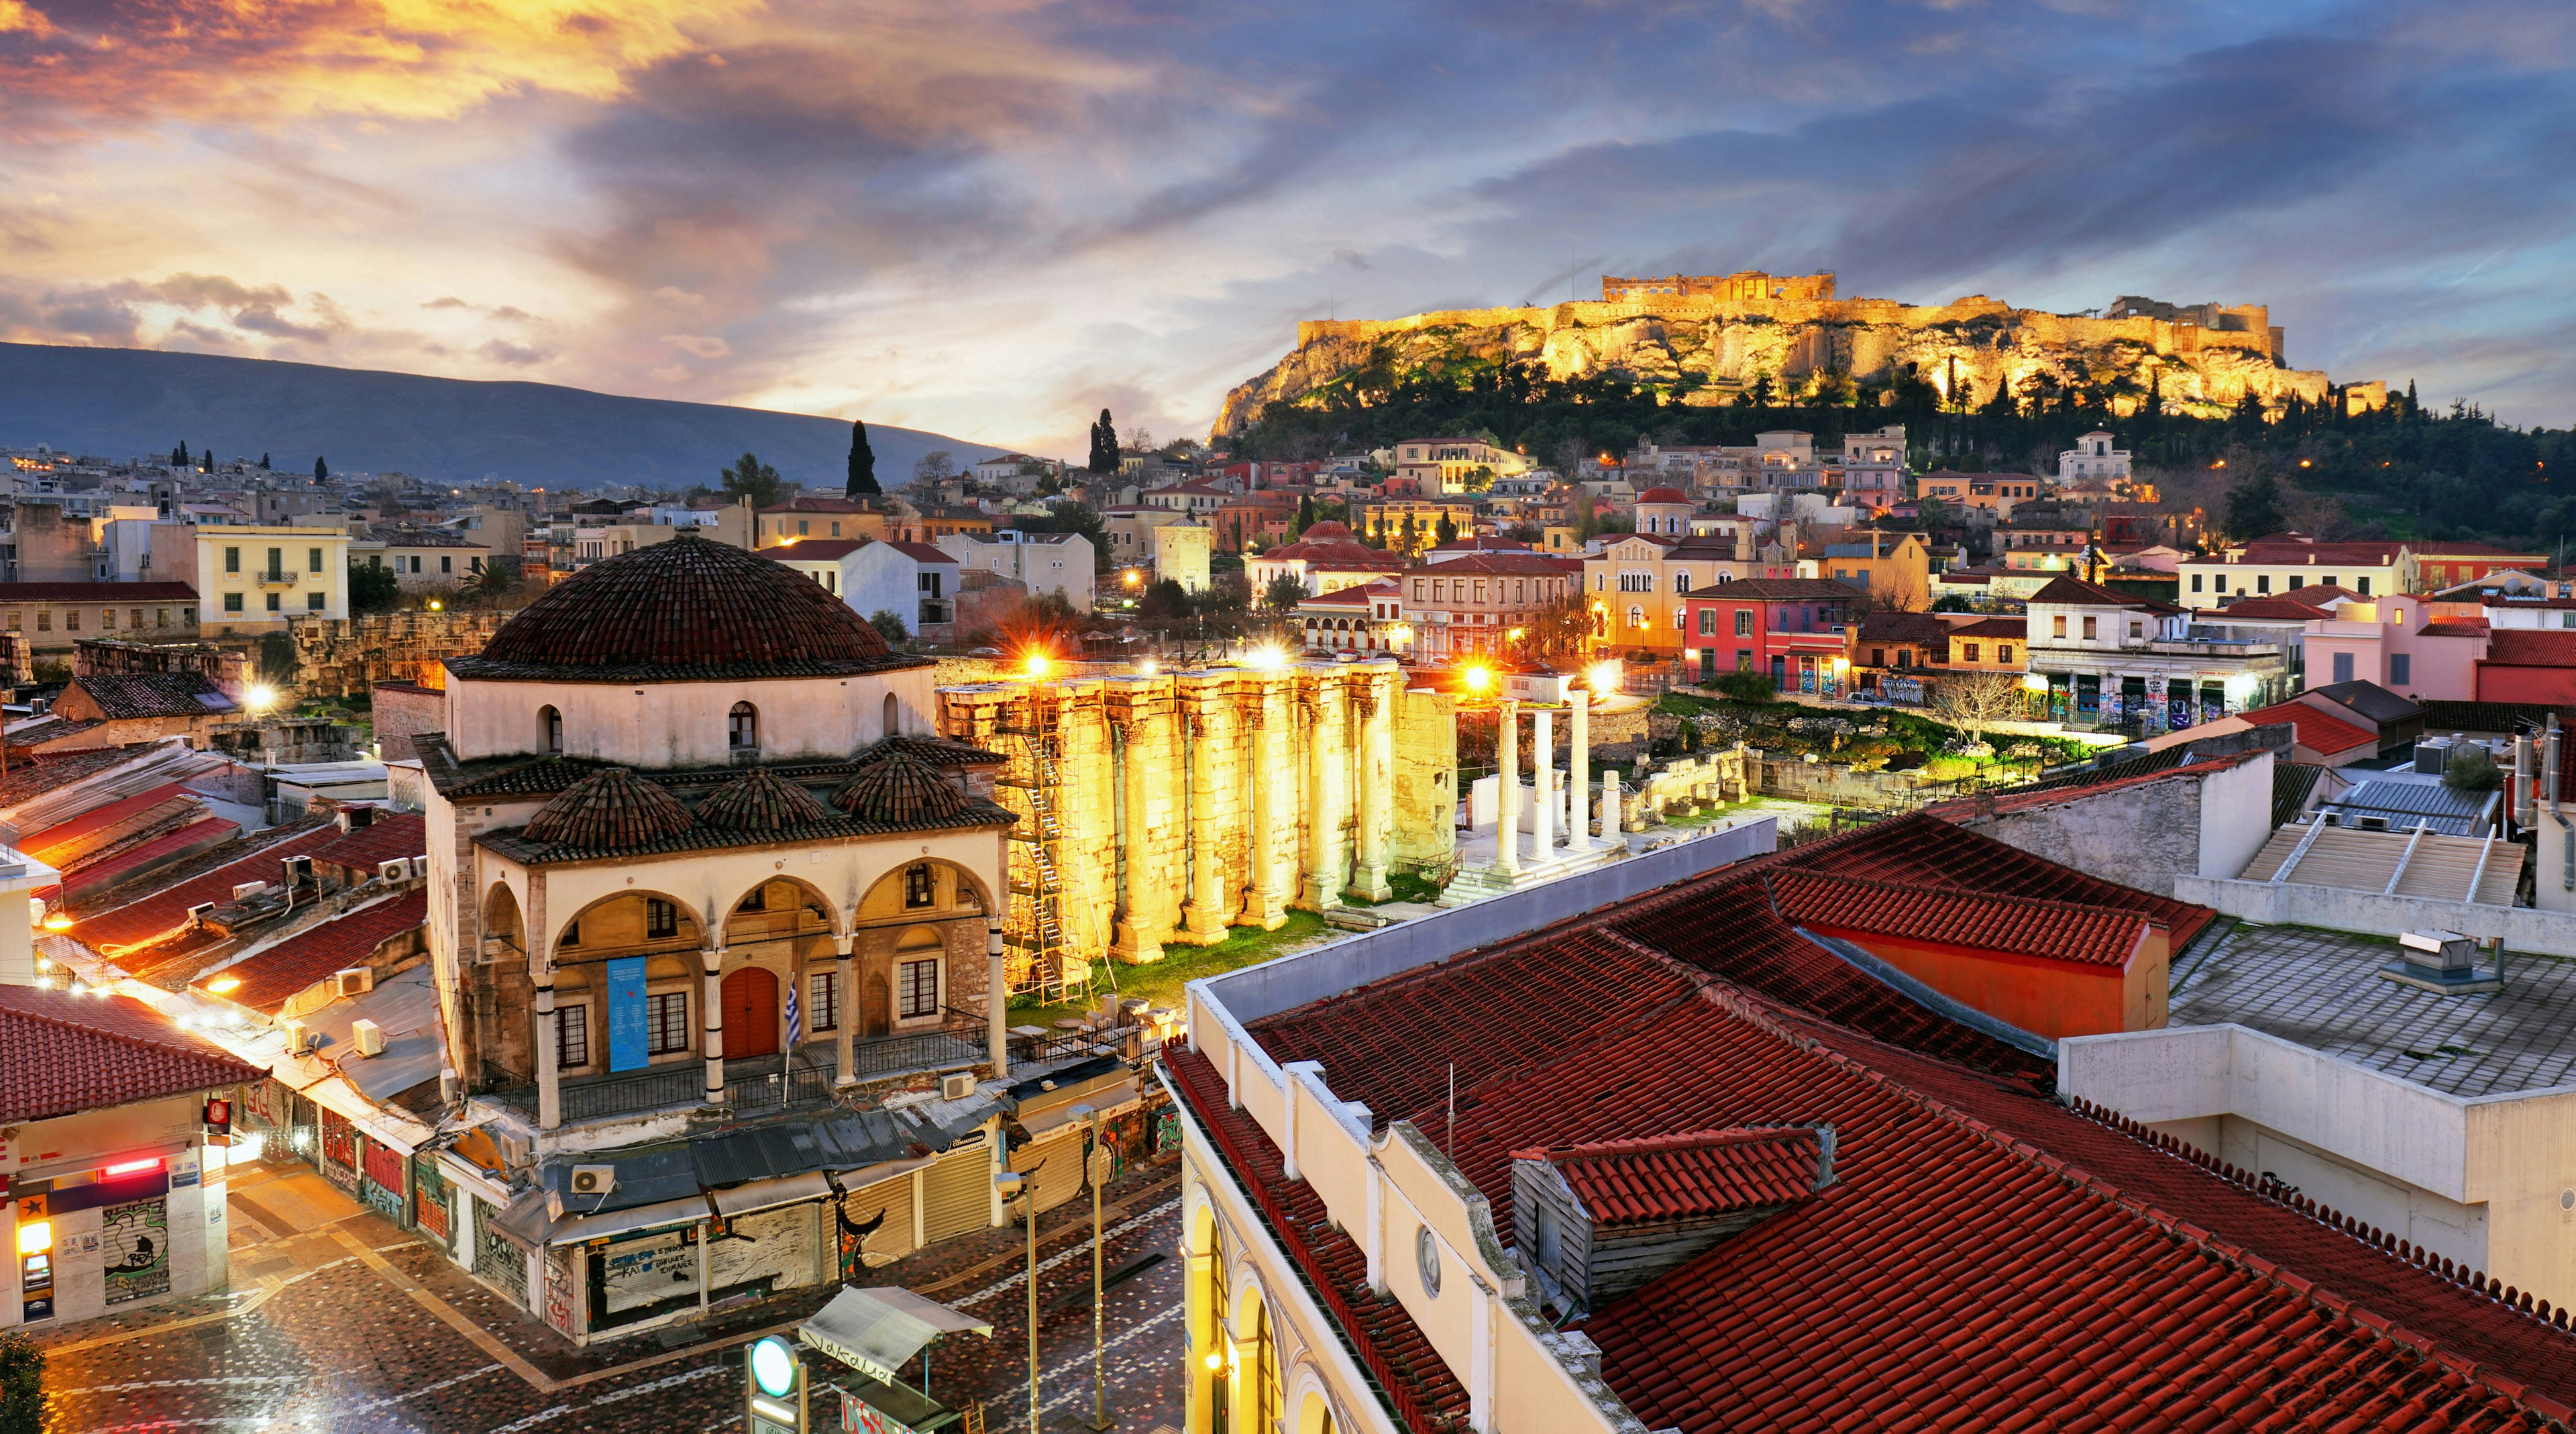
{"x":121,"y":403}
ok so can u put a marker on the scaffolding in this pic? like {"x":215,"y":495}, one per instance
{"x":1033,"y":787}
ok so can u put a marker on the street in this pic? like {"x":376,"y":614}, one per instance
{"x":337,"y":1320}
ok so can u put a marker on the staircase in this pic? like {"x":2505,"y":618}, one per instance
{"x":1036,"y":920}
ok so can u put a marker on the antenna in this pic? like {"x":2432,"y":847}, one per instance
{"x":1449,"y":1130}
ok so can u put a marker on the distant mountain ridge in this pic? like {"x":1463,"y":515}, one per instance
{"x":123,"y":403}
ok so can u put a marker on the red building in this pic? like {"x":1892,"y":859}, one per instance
{"x":2528,"y":665}
{"x":1791,"y":629}
{"x":2449,"y":564}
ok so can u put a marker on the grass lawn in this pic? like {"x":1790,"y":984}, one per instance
{"x":1161,"y":982}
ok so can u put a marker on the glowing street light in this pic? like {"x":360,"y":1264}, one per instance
{"x":1037,"y":665}
{"x":1605,"y":677}
{"x":1478,"y":678}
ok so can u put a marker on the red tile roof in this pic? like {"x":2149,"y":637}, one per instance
{"x":2020,"y":926}
{"x":271,"y":975}
{"x":815,"y":550}
{"x":2531,"y":647}
{"x":160,"y":850}
{"x":1780,"y":590}
{"x":2280,"y":608}
{"x":2003,"y":629}
{"x":2004,"y":803}
{"x":2314,"y":729}
{"x":2453,"y":627}
{"x":43,"y":845}
{"x":389,"y":837}
{"x":2075,"y":592}
{"x":130,"y":917}
{"x":61,"y":1053}
{"x":1698,"y":1172}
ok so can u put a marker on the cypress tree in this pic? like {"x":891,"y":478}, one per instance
{"x":179,"y":455}
{"x":207,"y":460}
{"x":263,"y":463}
{"x":321,"y":470}
{"x":863,"y":464}
{"x":1104,"y":445}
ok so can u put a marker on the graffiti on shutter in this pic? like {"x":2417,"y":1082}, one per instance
{"x":339,"y":1150}
{"x":382,"y":1187}
{"x":767,"y":1251}
{"x":429,"y":1200}
{"x":1057,"y":1161}
{"x":888,"y":1204}
{"x":497,"y":1261}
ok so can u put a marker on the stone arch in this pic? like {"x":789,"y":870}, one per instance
{"x":502,"y":920}
{"x":893,"y":723}
{"x":963,"y":880}
{"x":1257,"y":1365}
{"x":624,"y":908}
{"x":1313,"y":1401}
{"x":550,"y":729}
{"x":505,"y":1040}
{"x":810,"y":896}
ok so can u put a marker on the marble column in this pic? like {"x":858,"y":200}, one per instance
{"x":1375,"y":773}
{"x":1141,"y":923}
{"x":1208,"y":909}
{"x":1578,"y":771}
{"x":1610,"y":806}
{"x":549,"y":1079}
{"x":845,"y":997}
{"x":1327,"y":791}
{"x":1507,"y":787}
{"x":711,"y":1024}
{"x":1265,"y":904}
{"x":1543,"y":784}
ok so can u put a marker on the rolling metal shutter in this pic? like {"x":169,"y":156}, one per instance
{"x":957,"y":1193}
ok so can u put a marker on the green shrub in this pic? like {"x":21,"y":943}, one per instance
{"x":22,"y":1385}
{"x":1744,"y":687}
{"x":2471,"y":769}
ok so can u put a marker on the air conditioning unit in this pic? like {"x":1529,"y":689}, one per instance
{"x":353,"y":980}
{"x":242,"y":889}
{"x":394,"y":871}
{"x":301,"y":1038}
{"x":368,"y":1037}
{"x":593,"y":1179}
{"x":420,"y":868}
{"x":198,"y":912}
{"x":957,"y":1086}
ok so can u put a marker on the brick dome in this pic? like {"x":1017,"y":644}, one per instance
{"x":609,"y":810}
{"x":761,"y":800}
{"x":1663,"y":495}
{"x":689,"y":609}
{"x":896,"y":786}
{"x":1325,"y":531}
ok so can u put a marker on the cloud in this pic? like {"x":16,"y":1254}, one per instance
{"x":516,"y":355}
{"x":705,"y":346}
{"x":450,"y":302}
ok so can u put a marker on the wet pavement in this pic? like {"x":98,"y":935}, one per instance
{"x":338,"y":1320}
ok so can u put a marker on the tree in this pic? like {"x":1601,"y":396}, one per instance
{"x":263,"y":463}
{"x":179,"y":455}
{"x":1743,"y":686}
{"x":321,"y":470}
{"x":1072,"y":515}
{"x":1284,"y":593}
{"x":1104,"y":445}
{"x":1975,"y":701}
{"x":207,"y":463}
{"x":936,"y":466}
{"x":22,"y":1384}
{"x":1560,"y":631}
{"x":1305,"y":516}
{"x":1164,"y":600}
{"x":2253,"y":507}
{"x":373,"y":588}
{"x":863,"y":464}
{"x":889,"y":625}
{"x":750,"y":478}
{"x":498,"y":581}
{"x":2471,"y":769}
{"x":1444,"y":531}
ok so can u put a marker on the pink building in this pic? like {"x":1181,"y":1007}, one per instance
{"x":2400,"y":644}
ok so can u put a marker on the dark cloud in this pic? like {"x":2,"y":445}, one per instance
{"x":516,"y":355}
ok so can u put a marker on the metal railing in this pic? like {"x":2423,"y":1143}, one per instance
{"x":633,"y":1092}
{"x":760,"y":1083}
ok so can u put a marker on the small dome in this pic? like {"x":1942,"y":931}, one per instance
{"x":899,"y":787}
{"x":1663,"y":495}
{"x":1325,"y":531}
{"x":688,"y":609}
{"x":761,"y":800}
{"x":608,"y":810}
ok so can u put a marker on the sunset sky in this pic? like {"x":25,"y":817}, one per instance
{"x":992,"y":217}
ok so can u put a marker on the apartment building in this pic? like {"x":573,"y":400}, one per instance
{"x":254,"y":577}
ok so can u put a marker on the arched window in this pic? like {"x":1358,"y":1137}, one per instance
{"x":550,"y":728}
{"x":742,"y":728}
{"x":1636,"y":617}
{"x":893,"y":715}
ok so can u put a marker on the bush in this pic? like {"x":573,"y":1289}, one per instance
{"x":1744,"y":687}
{"x":22,"y":1385}
{"x":2471,"y":769}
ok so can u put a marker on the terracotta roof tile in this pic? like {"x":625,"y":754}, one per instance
{"x":2531,"y":647}
{"x":760,"y":800}
{"x":123,"y":915}
{"x":61,"y":1053}
{"x":2315,"y":730}
{"x":2021,"y":926}
{"x":900,"y":787}
{"x":107,"y":592}
{"x":1696,"y":1172}
{"x":387,"y":838}
{"x":609,"y":810}
{"x":268,"y":976}
{"x":125,"y":696}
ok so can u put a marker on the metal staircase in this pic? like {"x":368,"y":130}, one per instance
{"x":1036,"y":920}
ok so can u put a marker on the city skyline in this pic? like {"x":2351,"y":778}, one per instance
{"x":990,"y":221}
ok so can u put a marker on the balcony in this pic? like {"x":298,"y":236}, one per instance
{"x":276,"y":578}
{"x":759,"y":1083}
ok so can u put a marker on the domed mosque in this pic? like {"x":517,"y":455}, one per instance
{"x":694,"y":845}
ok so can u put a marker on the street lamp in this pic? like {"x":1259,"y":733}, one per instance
{"x":1099,"y":1420}
{"x":1016,"y":1186}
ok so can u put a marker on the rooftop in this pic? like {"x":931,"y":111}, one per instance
{"x":61,"y":1053}
{"x":267,"y":977}
{"x":97,"y":592}
{"x":2530,"y":647}
{"x":2316,"y":731}
{"x":2322,"y":990}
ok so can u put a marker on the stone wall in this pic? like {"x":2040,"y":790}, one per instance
{"x":403,"y":711}
{"x":1181,"y":804}
{"x":345,"y":657}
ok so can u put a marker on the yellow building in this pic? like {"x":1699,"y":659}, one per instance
{"x":1636,"y":583}
{"x":1893,"y":566}
{"x":252,"y":579}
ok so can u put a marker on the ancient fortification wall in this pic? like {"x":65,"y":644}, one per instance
{"x":1712,"y":345}
{"x":345,"y":657}
{"x":1186,"y":803}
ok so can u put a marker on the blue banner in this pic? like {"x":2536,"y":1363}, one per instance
{"x":626,"y":1042}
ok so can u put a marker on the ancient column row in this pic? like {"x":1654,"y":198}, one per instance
{"x":1545,"y":840}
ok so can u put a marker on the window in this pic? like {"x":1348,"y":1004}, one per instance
{"x":232,"y":560}
{"x":742,"y":728}
{"x":1681,"y":582}
{"x":661,"y":919}
{"x":446,"y":564}
{"x":2136,"y":631}
{"x":918,"y":989}
{"x":2401,"y":669}
{"x":2343,"y":667}
{"x":107,"y":618}
{"x":825,"y":1005}
{"x":549,"y":726}
{"x":801,"y":529}
{"x":572,"y":932}
{"x":2195,"y":582}
{"x":1744,"y":622}
{"x":313,"y":602}
{"x":276,"y":564}
{"x":2328,"y":580}
{"x":920,"y":888}
{"x":757,"y":900}
{"x":2262,"y":582}
{"x":2362,"y":586}
{"x":2003,"y":652}
{"x":1637,"y":617}
{"x":134,"y":617}
{"x":2059,"y":626}
{"x":666,"y":1023}
{"x":312,"y":560}
{"x":572,"y":1037}
{"x":1708,"y":622}
{"x":2091,"y":628}
{"x":276,"y":602}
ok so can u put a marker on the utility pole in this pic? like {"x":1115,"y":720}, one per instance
{"x":1099,"y":1347}
{"x":1015,"y":1185}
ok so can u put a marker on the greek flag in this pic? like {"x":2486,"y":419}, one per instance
{"x":795,"y":1019}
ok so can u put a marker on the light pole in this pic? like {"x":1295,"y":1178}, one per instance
{"x":1099,"y":1349}
{"x":1016,"y":1186}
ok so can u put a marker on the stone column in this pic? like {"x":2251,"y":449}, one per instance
{"x":845,"y":992}
{"x":1610,"y":805}
{"x":1208,"y":909}
{"x":711,"y":1024}
{"x":997,"y":1002}
{"x":1142,"y":922}
{"x":549,"y":1081}
{"x":1542,"y":783}
{"x":1374,"y":771}
{"x":1578,"y":772}
{"x":1328,"y":753}
{"x":1264,"y":904}
{"x":1507,"y":787}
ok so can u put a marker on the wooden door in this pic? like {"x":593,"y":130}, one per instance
{"x":877,"y":1012}
{"x":750,"y":1013}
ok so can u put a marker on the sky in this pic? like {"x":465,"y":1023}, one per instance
{"x":991,"y":218}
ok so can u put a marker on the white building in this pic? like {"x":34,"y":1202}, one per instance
{"x":1042,"y":562}
{"x":2112,"y":659}
{"x":914,"y":581}
{"x":2093,"y":461}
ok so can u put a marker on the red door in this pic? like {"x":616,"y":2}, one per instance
{"x":750,"y":1013}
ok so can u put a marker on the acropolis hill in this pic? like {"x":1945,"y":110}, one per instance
{"x":1705,"y":338}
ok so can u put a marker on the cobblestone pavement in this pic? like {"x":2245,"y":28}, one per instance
{"x":337,"y":1320}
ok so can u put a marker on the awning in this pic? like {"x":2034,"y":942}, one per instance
{"x":1116,"y":1098}
{"x":877,"y":1331}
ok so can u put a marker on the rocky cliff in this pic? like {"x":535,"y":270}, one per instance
{"x":1706,"y":351}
